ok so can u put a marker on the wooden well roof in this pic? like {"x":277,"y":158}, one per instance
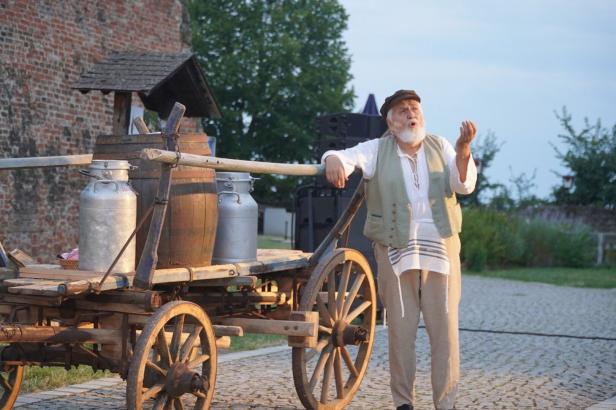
{"x":159,"y":79}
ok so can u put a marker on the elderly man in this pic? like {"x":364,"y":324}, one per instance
{"x":414,"y":219}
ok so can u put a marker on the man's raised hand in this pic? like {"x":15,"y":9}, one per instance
{"x":334,"y":171}
{"x":468,"y":130}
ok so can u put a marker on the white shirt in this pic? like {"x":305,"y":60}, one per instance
{"x":426,"y":249}
{"x":363,"y":156}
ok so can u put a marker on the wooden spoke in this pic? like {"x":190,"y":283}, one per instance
{"x":200,"y":359}
{"x":177,"y":337}
{"x":331,"y":295}
{"x":189,"y":343}
{"x":177,"y":404}
{"x":357,"y":311}
{"x":156,"y":368}
{"x":152,"y":391}
{"x":338,"y":374}
{"x":161,"y":401}
{"x":327,"y":377}
{"x":5,"y":383}
{"x":352,"y":294}
{"x":349,"y":361}
{"x":163,"y":349}
{"x":344,"y":283}
{"x":325,"y":329}
{"x":321,"y":344}
{"x":323,"y":312}
{"x":319,"y":367}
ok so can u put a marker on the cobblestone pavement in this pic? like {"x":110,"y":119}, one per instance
{"x":499,"y":371}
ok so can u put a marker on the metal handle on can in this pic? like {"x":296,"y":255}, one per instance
{"x":229,"y":193}
{"x":106,"y":181}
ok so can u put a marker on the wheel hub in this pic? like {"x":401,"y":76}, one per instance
{"x":181,"y":379}
{"x":344,"y":334}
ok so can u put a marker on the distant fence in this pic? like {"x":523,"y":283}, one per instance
{"x":602,"y":221}
{"x":606,"y":248}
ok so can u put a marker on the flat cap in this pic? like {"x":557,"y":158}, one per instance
{"x":396,"y":97}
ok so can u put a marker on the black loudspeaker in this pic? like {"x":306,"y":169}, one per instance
{"x":324,"y":145}
{"x":317,"y":211}
{"x":351,"y":125}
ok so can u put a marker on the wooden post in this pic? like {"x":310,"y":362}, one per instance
{"x":600,"y":247}
{"x":149,"y":255}
{"x":121,"y":112}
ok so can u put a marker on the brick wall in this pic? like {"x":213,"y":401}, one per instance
{"x":44,"y":47}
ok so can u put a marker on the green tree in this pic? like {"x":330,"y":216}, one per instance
{"x":274,"y":65}
{"x":590,"y":157}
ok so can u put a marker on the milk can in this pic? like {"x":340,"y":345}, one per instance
{"x":107,"y":217}
{"x":236,"y":235}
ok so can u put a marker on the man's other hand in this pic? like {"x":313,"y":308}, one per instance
{"x":334,"y":171}
{"x":468,"y":130}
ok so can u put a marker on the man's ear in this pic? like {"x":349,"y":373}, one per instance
{"x":389,"y":122}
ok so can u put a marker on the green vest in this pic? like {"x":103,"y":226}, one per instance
{"x":389,"y":210}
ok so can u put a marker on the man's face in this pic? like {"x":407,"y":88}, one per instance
{"x":405,"y":115}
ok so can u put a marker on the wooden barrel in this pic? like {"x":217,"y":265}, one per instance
{"x":192,"y":214}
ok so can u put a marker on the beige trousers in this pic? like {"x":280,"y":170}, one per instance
{"x":425,"y":292}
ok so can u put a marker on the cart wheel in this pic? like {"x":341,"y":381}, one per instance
{"x":342,"y":290}
{"x":11,"y":377}
{"x":10,"y":384}
{"x":162,"y":367}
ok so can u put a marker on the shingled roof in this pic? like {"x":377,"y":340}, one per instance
{"x":160,"y":80}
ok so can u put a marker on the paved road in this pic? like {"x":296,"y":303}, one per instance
{"x":499,"y":371}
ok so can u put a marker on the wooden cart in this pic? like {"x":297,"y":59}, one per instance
{"x":160,"y":328}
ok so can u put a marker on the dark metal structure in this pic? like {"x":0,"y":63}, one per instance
{"x":319,"y":206}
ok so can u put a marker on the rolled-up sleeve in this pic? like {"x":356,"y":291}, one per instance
{"x":362,"y":156}
{"x":458,"y":186}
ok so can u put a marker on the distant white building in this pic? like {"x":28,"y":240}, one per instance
{"x":278,"y":222}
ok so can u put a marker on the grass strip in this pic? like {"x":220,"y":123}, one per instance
{"x":601,"y":277}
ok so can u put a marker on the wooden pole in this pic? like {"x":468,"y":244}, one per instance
{"x":57,"y":334}
{"x":226,"y":164}
{"x":141,"y":126}
{"x":44,"y":162}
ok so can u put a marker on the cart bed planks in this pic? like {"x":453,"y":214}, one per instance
{"x":52,"y":281}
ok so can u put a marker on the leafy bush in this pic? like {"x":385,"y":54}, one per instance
{"x":497,"y":239}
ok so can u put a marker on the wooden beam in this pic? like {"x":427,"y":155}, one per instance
{"x":121,"y":112}
{"x":57,"y":334}
{"x":307,"y":341}
{"x":250,"y":281}
{"x":223,"y":342}
{"x":227,"y":164}
{"x":220,"y":330}
{"x":274,"y":327}
{"x":141,"y":126}
{"x":45,"y":162}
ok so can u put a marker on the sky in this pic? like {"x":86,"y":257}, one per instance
{"x":508,"y":66}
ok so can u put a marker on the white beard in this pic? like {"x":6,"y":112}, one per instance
{"x":412,"y":136}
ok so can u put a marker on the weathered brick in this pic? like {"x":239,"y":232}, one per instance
{"x":45,"y":46}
